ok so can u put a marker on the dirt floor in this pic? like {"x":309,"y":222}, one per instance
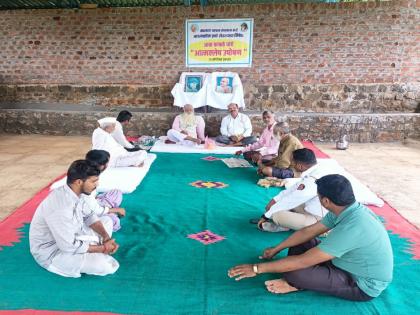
{"x":30,"y":162}
{"x":392,"y":170}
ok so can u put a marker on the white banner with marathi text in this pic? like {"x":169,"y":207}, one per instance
{"x":219,"y":43}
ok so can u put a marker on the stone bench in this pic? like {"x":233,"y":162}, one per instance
{"x":71,"y":119}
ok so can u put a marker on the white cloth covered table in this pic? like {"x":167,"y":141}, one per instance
{"x":196,"y":99}
{"x":222,"y":100}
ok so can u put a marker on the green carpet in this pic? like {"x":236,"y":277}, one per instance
{"x":163,"y":272}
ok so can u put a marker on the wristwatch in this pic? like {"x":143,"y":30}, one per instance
{"x":255,"y":268}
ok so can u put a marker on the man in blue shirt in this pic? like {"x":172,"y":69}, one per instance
{"x":353,"y":262}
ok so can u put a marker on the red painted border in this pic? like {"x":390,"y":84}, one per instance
{"x":42,"y":312}
{"x":318,"y":153}
{"x":9,"y":233}
{"x":397,"y":224}
{"x":9,"y":226}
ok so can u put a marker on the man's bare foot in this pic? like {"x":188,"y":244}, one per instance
{"x":141,"y":164}
{"x":279,"y":286}
{"x":167,"y":141}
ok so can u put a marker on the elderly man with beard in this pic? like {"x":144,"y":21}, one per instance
{"x":187,"y":128}
{"x":66,"y":237}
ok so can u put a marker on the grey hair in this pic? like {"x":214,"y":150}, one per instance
{"x":282,"y":127}
{"x":105,"y":125}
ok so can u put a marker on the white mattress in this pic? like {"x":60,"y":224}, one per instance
{"x":125,"y":179}
{"x":161,"y":146}
{"x":362,"y":193}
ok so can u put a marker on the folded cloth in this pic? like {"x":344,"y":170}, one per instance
{"x":116,"y":224}
{"x":111,"y":199}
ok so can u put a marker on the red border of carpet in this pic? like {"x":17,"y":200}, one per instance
{"x":9,"y":233}
{"x":41,"y":312}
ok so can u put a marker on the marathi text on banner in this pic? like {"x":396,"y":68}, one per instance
{"x":219,"y":43}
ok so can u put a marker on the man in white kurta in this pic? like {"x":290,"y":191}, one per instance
{"x":187,"y":128}
{"x":236,"y":128}
{"x":102,"y":140}
{"x":66,"y":237}
{"x":297,"y":206}
{"x":123,"y":118}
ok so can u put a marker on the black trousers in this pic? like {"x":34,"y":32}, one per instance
{"x":325,"y":278}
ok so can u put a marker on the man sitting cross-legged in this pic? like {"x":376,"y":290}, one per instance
{"x":236,"y":128}
{"x":65,"y":236}
{"x":353,"y":262}
{"x":119,"y":157}
{"x":105,"y":204}
{"x":297,"y":206}
{"x":123,"y":119}
{"x":266,"y":148}
{"x":280,"y":166}
{"x":187,"y":128}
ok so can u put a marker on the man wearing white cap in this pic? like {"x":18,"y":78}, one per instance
{"x":102,"y":140}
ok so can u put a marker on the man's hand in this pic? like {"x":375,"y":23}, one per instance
{"x":238,"y":152}
{"x":118,"y":211}
{"x":269,"y":253}
{"x":269,"y":205}
{"x":257,"y":158}
{"x":234,"y":139}
{"x":184,"y":132}
{"x":110,"y":246}
{"x":260,"y":167}
{"x":198,"y":141}
{"x":260,"y":222}
{"x":241,"y":271}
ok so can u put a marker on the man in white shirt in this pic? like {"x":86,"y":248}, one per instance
{"x":123,"y":119}
{"x":297,"y":206}
{"x":108,"y":203}
{"x":236,"y":128}
{"x":102,"y":140}
{"x":66,"y":237}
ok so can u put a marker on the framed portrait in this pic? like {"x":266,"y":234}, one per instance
{"x":224,"y":84}
{"x":193,"y":83}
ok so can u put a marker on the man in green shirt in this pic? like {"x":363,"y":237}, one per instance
{"x":353,"y":262}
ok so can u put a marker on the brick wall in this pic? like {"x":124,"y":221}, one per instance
{"x":134,"y":56}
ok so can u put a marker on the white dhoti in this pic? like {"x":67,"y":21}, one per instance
{"x":295,"y":219}
{"x":130,"y":159}
{"x":179,"y":137}
{"x":68,"y":264}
